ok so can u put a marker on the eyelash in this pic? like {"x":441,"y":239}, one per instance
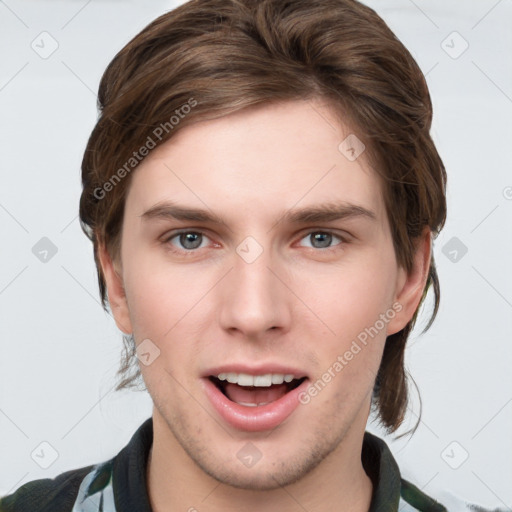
{"x":167,"y":240}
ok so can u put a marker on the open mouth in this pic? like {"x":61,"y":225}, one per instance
{"x":254,"y":396}
{"x":255,"y":401}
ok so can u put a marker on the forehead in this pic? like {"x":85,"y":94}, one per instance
{"x":259,"y":161}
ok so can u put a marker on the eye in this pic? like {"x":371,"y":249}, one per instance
{"x":321,"y":239}
{"x":187,"y":240}
{"x":190,"y":241}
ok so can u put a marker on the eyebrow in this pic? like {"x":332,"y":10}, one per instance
{"x":327,"y":212}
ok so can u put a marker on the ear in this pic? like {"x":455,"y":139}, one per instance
{"x":115,"y":291}
{"x":410,"y":286}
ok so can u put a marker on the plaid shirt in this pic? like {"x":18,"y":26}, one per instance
{"x":119,"y":484}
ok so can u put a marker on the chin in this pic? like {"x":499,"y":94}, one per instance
{"x":252,"y":479}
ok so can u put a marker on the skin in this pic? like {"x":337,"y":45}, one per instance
{"x":298,"y":303}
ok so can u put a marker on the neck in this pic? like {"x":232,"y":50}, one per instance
{"x":175,"y":482}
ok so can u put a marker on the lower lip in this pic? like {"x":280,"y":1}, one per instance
{"x":253,"y":419}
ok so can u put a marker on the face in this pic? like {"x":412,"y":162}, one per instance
{"x":255,"y":251}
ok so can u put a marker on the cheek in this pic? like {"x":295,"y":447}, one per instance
{"x":351,"y":297}
{"x":352,"y":301}
{"x":161,"y":295}
{"x":165,"y":307}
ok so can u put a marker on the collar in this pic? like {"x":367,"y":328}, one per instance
{"x":381,"y":467}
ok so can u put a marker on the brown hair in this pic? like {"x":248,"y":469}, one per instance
{"x":209,"y":58}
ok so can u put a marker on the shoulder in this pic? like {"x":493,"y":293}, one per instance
{"x":393,"y":492}
{"x":59,"y":494}
{"x":90,"y":488}
{"x":413,"y":499}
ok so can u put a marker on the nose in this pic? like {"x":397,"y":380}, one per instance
{"x":254,"y":297}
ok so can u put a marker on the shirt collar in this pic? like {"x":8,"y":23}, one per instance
{"x":381,"y":467}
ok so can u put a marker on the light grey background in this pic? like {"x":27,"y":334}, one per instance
{"x":60,"y":351}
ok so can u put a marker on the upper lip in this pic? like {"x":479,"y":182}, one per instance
{"x":252,"y":369}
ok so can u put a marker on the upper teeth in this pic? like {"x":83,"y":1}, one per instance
{"x":244,"y":379}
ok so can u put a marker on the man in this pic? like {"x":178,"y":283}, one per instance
{"x":262,"y":193}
